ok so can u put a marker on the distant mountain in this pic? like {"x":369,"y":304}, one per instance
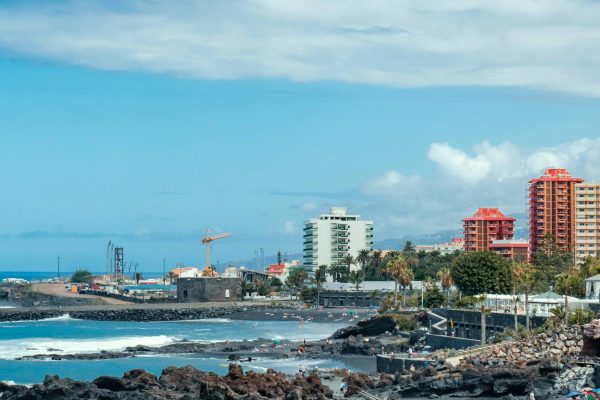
{"x":437,"y":237}
{"x":254,"y":263}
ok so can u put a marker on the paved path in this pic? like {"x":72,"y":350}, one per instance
{"x":59,"y":290}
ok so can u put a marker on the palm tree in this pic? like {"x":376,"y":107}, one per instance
{"x":364,"y":259}
{"x":524,"y":277}
{"x":320,"y":276}
{"x":138,"y":276}
{"x":334,"y":270}
{"x":349,"y":261}
{"x":375,"y":265}
{"x":172,"y":275}
{"x":399,"y":269}
{"x":356,"y":278}
{"x":445,"y":277}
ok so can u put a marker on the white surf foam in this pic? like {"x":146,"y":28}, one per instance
{"x":10,"y":349}
{"x":64,"y":317}
{"x":7,"y":307}
{"x":208,"y":320}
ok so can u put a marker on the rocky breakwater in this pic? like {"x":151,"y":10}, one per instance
{"x":561,"y":343}
{"x":370,"y":327}
{"x":144,"y":313}
{"x":176,"y":383}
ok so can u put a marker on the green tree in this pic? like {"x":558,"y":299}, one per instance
{"x":356,"y":278}
{"x":524,"y":276}
{"x":296,"y":278}
{"x":433,"y":296}
{"x":335,"y":270}
{"x":444,"y":275}
{"x":275,"y":282}
{"x":138,"y":277}
{"x":263,"y":288}
{"x":399,"y":269}
{"x":172,"y":275}
{"x":320,"y":276}
{"x":550,"y":260}
{"x":82,"y":276}
{"x":374,"y":268}
{"x":363,"y":259}
{"x":349,"y":261}
{"x":569,"y":283}
{"x":481,"y":272}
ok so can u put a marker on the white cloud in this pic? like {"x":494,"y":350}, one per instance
{"x":489,"y":162}
{"x":290,"y":228}
{"x":527,"y":43}
{"x":308,"y":206}
{"x":393,"y":182}
{"x":488,"y":176}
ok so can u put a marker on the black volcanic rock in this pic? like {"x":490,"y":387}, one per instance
{"x":370,"y":327}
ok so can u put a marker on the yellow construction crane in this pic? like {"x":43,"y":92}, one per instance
{"x":207,"y":240}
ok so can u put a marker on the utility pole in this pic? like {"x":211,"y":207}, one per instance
{"x":58,"y":267}
{"x":483,"y":327}
{"x":262,"y":259}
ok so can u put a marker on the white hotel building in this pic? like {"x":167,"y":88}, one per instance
{"x":587,"y":220}
{"x":331,"y":237}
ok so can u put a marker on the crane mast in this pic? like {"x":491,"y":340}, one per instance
{"x":207,"y":240}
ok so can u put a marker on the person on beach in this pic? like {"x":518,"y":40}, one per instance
{"x":410,"y":352}
{"x":343,"y":387}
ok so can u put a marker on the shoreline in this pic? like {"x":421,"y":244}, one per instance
{"x":188,"y":311}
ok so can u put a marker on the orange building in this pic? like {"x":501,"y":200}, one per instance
{"x":552,"y":209}
{"x":485,"y":226}
{"x":512,"y":250}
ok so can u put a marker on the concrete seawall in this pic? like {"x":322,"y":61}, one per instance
{"x":141,"y":312}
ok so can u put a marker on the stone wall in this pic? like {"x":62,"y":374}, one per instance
{"x":344,"y":299}
{"x":467,"y":323}
{"x":209,"y":289}
{"x":555,"y":344}
{"x":392,"y":364}
{"x":449,"y":342}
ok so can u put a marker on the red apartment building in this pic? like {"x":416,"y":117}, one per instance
{"x":552,"y":209}
{"x":486,"y":226}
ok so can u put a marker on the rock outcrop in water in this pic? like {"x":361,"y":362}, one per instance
{"x":176,"y":383}
{"x":370,"y":327}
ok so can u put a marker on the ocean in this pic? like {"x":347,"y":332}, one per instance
{"x":64,"y":335}
{"x":41,"y":275}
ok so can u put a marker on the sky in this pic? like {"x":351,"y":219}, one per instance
{"x":147,"y":122}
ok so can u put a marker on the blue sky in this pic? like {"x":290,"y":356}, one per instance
{"x":101,"y":140}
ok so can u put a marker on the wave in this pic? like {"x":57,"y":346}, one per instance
{"x":64,"y":317}
{"x":208,"y":320}
{"x":14,"y":348}
{"x":8,"y":307}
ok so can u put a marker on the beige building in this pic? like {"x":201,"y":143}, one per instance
{"x":587,"y":220}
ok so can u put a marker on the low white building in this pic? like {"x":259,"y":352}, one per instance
{"x":538,"y":304}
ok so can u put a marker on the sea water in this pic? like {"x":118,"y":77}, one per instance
{"x":64,"y":335}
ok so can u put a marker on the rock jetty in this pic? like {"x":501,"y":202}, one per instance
{"x":140,"y":314}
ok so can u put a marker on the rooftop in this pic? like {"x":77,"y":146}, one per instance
{"x":488,"y":214}
{"x":556,"y":174}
